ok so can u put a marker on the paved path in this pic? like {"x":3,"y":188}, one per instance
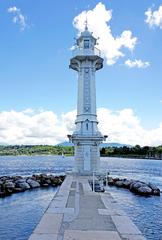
{"x":77,"y":213}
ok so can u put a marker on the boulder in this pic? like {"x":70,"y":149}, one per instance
{"x":144,"y":190}
{"x":48,"y":181}
{"x":15,"y":178}
{"x":33,"y":183}
{"x":62,"y":177}
{"x":56,"y":181}
{"x":110,"y":182}
{"x":116,"y":179}
{"x":1,"y":182}
{"x":43,"y":176}
{"x":127,"y":183}
{"x":9,"y":187}
{"x":23,"y":180}
{"x":23,"y":185}
{"x":156,"y":192}
{"x":119,"y":183}
{"x":135,"y":185}
{"x":155,"y":189}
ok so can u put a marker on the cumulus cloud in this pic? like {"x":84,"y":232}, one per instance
{"x":154,"y":18}
{"x":136,"y":63}
{"x":99,"y":23}
{"x":124,"y":126}
{"x":18,"y":17}
{"x":28,"y":127}
{"x":46,"y":127}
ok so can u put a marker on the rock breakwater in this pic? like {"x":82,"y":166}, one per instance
{"x":135,"y":186}
{"x":14,"y":184}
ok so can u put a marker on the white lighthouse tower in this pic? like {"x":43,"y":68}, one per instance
{"x":86,"y":61}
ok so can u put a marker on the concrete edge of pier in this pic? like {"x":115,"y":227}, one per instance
{"x":77,"y":213}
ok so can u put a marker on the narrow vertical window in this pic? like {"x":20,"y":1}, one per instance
{"x":87,"y":126}
{"x":86,"y":44}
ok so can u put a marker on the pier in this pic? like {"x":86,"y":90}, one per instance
{"x":78,"y":213}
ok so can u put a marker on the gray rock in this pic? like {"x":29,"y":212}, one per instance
{"x":110,"y":182}
{"x":55,"y":180}
{"x":135,"y":185}
{"x":23,"y":185}
{"x":23,"y":180}
{"x":33,"y":183}
{"x":1,"y":182}
{"x":155,"y":189}
{"x":127,"y":183}
{"x":9,"y":185}
{"x":145,"y":190}
{"x":48,"y":181}
{"x":119,"y":183}
{"x":156,"y":192}
{"x":15,"y":184}
{"x":153,"y":186}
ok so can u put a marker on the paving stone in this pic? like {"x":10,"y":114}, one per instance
{"x":125,"y":226}
{"x":86,"y":187}
{"x":50,"y":223}
{"x":106,"y":201}
{"x":60,"y":210}
{"x":132,"y":237}
{"x":90,"y":235}
{"x":69,"y":217}
{"x":77,"y":213}
{"x":58,"y":202}
{"x":112,"y":212}
{"x":36,"y":236}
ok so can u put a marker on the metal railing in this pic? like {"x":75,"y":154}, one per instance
{"x":101,"y":176}
{"x":87,"y":52}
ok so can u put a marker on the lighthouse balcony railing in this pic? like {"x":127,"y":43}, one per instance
{"x":86,"y":52}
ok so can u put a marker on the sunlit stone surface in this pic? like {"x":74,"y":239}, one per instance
{"x":86,"y":138}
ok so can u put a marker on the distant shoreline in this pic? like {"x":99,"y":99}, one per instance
{"x":136,"y":152}
{"x":64,"y":156}
{"x":135,"y":157}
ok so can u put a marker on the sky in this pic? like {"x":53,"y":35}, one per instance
{"x":38,"y":91}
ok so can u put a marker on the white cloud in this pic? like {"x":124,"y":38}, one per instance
{"x":136,"y":63}
{"x":98,"y":22}
{"x":45,"y":127}
{"x":26,"y":128}
{"x":154,"y":18}
{"x":13,"y":10}
{"x":18,"y":17}
{"x":124,"y":126}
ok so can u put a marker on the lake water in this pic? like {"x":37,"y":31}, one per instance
{"x":20,"y":213}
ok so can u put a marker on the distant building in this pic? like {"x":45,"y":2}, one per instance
{"x":153,"y":153}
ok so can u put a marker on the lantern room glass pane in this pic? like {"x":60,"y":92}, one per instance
{"x":86,"y":44}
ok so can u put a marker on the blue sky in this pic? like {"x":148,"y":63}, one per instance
{"x":35,"y":41}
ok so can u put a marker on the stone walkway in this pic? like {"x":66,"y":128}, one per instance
{"x":77,"y":213}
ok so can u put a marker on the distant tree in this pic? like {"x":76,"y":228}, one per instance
{"x":102,"y":151}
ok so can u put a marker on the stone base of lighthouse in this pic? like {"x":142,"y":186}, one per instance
{"x":86,"y":159}
{"x":87,"y":154}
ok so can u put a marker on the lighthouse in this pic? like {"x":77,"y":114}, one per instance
{"x":86,"y":138}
